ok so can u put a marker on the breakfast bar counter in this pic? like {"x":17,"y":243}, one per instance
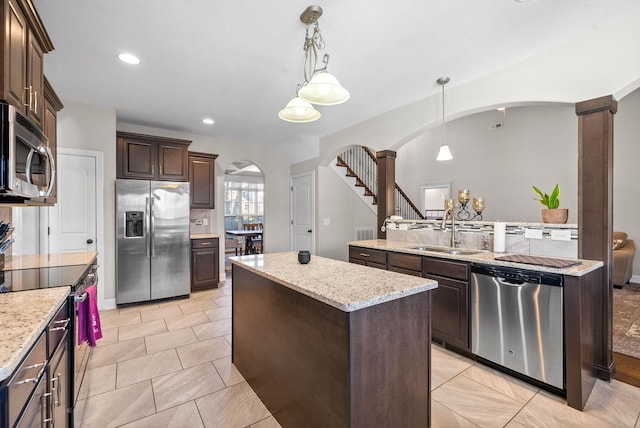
{"x":330,"y":343}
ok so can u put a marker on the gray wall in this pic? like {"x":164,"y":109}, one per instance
{"x":537,"y":146}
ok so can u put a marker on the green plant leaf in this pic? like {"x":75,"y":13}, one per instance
{"x":549,"y":201}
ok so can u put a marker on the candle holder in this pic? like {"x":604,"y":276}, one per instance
{"x":463,"y":212}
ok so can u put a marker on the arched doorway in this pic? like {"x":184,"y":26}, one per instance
{"x":243,"y":207}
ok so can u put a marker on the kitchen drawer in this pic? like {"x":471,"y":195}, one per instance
{"x":377,"y":257}
{"x":58,"y":328}
{"x":405,"y":262}
{"x":204,"y":243}
{"x":26,"y":378}
{"x":446,"y":268}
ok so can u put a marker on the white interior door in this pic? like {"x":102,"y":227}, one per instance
{"x":302,"y":212}
{"x":72,"y":221}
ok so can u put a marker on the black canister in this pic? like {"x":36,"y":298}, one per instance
{"x":304,"y":257}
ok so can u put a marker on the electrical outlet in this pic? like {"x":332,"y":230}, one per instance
{"x":327,"y":221}
{"x":205,"y":221}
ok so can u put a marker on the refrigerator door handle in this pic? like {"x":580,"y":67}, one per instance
{"x":147,"y":231}
{"x":152,"y":226}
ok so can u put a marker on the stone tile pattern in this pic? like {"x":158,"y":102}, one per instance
{"x":183,"y":377}
{"x":349,"y":287}
{"x":23,"y":317}
{"x":626,"y":322}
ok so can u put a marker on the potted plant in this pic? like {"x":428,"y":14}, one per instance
{"x":552,"y":214}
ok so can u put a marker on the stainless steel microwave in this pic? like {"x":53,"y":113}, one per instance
{"x":27,"y":168}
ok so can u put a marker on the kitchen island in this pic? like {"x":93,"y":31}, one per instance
{"x":582,"y":287}
{"x":331,"y":343}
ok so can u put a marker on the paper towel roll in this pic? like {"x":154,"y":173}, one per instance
{"x":499,"y":236}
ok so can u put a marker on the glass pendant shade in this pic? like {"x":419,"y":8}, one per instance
{"x":324,"y":89}
{"x":444,"y":153}
{"x":299,"y":111}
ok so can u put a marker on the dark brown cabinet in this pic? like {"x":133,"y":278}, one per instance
{"x":38,"y":390}
{"x":368,"y":257}
{"x":202,"y":178}
{"x":25,"y":44}
{"x":52,"y":105}
{"x":450,"y":302}
{"x":405,"y":263}
{"x":147,"y":157}
{"x":205,"y":265}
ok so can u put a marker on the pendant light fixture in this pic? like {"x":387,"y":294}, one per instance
{"x":319,"y":87}
{"x":444,"y":153}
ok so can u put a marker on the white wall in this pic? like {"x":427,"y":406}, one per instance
{"x":87,"y":127}
{"x":338,"y":204}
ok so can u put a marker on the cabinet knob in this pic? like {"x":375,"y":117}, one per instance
{"x":89,"y":241}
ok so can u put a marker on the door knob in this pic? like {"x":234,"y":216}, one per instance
{"x":89,"y":241}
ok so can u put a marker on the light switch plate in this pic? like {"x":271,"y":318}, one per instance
{"x":533,"y":233}
{"x":561,"y":235}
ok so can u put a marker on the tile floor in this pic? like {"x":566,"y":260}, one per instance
{"x":169,"y":365}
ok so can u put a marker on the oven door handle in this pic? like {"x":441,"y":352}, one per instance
{"x":80,"y":298}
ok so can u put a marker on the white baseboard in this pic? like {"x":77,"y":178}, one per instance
{"x":108,"y":304}
{"x":635,"y":279}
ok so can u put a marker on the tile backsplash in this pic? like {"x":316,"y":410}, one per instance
{"x":200,"y":221}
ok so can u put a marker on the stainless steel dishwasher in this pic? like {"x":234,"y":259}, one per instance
{"x":517,"y":321}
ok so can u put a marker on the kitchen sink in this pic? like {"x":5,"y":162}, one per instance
{"x":447,"y":250}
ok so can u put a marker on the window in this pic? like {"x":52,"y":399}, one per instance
{"x":243,"y":202}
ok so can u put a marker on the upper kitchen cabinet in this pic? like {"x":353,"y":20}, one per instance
{"x":52,"y":105}
{"x":202,"y":177}
{"x":24,"y":44}
{"x":147,"y":157}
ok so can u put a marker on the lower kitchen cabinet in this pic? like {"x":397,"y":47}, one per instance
{"x":37,"y":393}
{"x":450,"y":302}
{"x":368,"y":257}
{"x":405,"y":263}
{"x":205,"y":265}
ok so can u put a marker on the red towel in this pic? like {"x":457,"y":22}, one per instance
{"x":89,"y":318}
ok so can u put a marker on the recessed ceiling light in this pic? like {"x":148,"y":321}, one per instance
{"x":207,"y":121}
{"x":521,"y":1}
{"x":129,"y":58}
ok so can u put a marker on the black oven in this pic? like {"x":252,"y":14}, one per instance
{"x":27,"y":167}
{"x":78,"y":277}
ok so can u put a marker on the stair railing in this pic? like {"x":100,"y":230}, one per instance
{"x":361,"y":163}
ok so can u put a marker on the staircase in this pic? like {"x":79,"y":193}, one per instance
{"x":361,"y":164}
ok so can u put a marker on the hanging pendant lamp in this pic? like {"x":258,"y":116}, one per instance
{"x":444,"y":153}
{"x":319,"y":87}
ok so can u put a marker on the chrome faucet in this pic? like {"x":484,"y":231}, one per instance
{"x":452,"y":240}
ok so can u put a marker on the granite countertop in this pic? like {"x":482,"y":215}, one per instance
{"x":343,"y":285}
{"x":204,"y":235}
{"x":34,"y":261}
{"x":485,"y":257}
{"x":23,"y":317}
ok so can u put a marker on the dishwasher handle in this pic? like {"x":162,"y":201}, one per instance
{"x":512,"y":282}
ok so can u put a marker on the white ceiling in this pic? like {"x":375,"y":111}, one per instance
{"x":239,"y":61}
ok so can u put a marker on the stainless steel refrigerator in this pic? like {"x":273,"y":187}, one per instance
{"x":152,"y":246}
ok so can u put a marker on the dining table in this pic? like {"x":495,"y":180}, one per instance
{"x":247,"y":234}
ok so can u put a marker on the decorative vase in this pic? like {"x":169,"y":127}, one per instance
{"x":558,"y":215}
